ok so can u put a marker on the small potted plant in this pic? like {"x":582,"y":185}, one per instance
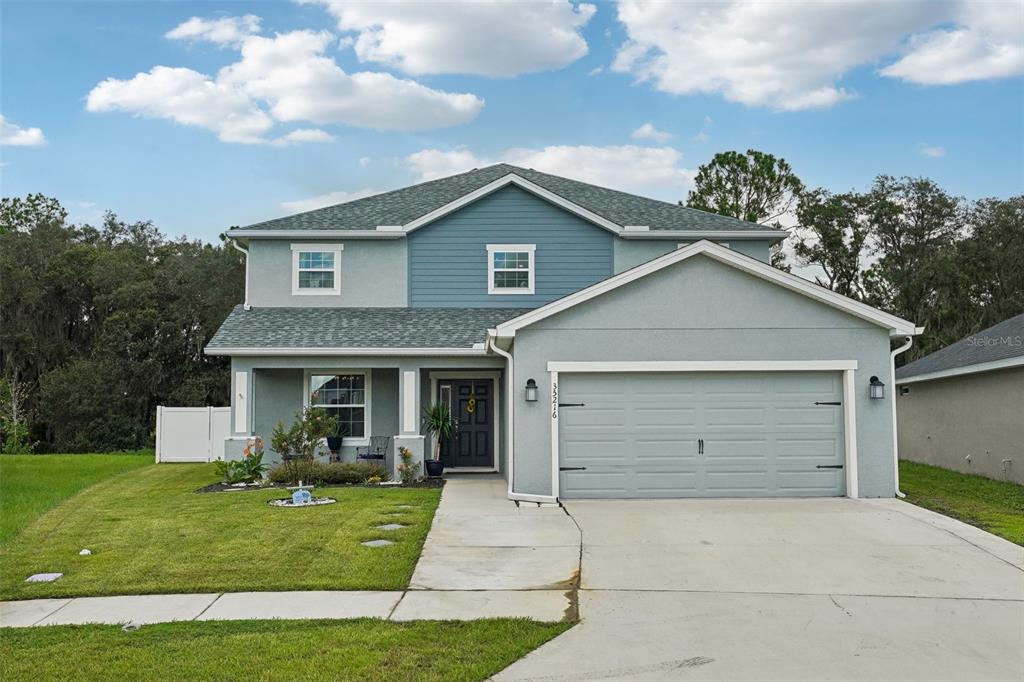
{"x":335,"y":437}
{"x":439,"y":422}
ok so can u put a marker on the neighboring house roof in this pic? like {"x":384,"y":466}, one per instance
{"x":404,"y":206}
{"x":290,"y":331}
{"x":997,"y":347}
{"x":896,"y":326}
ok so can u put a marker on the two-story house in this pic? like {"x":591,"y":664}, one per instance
{"x":592,"y":343}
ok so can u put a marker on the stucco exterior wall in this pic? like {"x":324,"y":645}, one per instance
{"x":700,"y":309}
{"x":969,"y":423}
{"x":373,"y":274}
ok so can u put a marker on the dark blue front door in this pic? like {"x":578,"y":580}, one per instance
{"x":472,"y":405}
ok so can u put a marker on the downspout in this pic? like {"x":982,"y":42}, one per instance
{"x":509,"y":430}
{"x":895,"y":441}
{"x":234,"y":243}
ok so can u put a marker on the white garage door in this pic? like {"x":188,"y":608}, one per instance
{"x":729,"y":434}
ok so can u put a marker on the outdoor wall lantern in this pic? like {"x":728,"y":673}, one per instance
{"x":877,"y":389}
{"x":531,"y":391}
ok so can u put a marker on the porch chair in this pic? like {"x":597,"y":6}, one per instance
{"x":376,"y":451}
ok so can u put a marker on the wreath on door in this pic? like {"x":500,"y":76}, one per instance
{"x":471,"y":404}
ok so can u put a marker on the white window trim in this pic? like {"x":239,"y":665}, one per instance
{"x":529,"y":249}
{"x":367,"y":399}
{"x":336,"y":249}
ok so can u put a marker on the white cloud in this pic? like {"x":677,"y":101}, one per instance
{"x":222,"y":31}
{"x":986,"y":42}
{"x":301,"y":135}
{"x":486,"y":37}
{"x":329,"y":199}
{"x":596,"y":71}
{"x":652,"y":171}
{"x":284,"y":78}
{"x":14,"y":135}
{"x":793,"y":55}
{"x":931,"y":151}
{"x":187,"y":97}
{"x":364,"y":161}
{"x":648,"y":132}
{"x":701,"y":137}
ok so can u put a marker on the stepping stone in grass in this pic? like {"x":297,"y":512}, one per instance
{"x":43,"y":577}
{"x":377,"y":543}
{"x":390,"y":526}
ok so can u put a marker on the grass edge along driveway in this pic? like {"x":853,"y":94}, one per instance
{"x":32,"y":484}
{"x":993,"y":506}
{"x":363,"y":649}
{"x":149,"y":532}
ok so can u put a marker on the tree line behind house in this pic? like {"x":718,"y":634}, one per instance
{"x":99,"y":325}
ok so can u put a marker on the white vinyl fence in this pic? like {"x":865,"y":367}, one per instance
{"x":191,"y":434}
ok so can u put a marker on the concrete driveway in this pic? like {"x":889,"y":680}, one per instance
{"x":831,"y":589}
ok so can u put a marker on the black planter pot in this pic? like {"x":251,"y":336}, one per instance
{"x":334,"y":443}
{"x":434,"y":467}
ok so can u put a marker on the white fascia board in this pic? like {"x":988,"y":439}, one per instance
{"x":705,"y":366}
{"x":313,"y":234}
{"x":896,"y":326}
{"x":1005,"y":363}
{"x":504,"y":181}
{"x":345,"y":351}
{"x":691,"y":235}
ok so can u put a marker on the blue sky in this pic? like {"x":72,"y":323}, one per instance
{"x":843,"y":91}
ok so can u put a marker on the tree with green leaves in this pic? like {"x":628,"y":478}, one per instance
{"x":833,"y":234}
{"x":756,"y":186}
{"x":105,"y":323}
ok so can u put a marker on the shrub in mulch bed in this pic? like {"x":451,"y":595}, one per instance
{"x":222,"y":488}
{"x":321,"y":473}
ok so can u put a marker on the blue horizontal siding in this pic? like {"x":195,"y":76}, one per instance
{"x":448,"y":258}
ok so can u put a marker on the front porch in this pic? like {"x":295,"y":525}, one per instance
{"x":374,"y":398}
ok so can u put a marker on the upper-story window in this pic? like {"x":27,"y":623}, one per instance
{"x":316,"y":269}
{"x":510,"y":268}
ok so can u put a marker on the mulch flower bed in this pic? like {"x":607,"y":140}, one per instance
{"x":224,"y":488}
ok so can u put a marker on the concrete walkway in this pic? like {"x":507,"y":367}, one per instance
{"x":792,"y":589}
{"x":481,"y":540}
{"x":485,"y":557}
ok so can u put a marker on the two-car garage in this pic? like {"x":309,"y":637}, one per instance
{"x":704,"y":373}
{"x":701,"y":434}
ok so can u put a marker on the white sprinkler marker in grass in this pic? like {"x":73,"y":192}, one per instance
{"x":85,"y":552}
{"x":43,"y":577}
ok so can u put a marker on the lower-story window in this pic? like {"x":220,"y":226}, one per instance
{"x":344,"y":396}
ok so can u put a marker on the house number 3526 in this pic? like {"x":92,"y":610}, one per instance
{"x":554,"y":400}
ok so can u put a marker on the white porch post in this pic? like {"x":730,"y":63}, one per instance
{"x":409,"y":417}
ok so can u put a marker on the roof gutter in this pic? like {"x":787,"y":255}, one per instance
{"x":314,"y":234}
{"x":908,"y":341}
{"x":735,"y":235}
{"x":345,"y":351}
{"x":245,"y":252}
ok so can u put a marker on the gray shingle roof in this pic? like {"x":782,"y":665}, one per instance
{"x":1000,"y":342}
{"x":404,"y":205}
{"x":358,"y":327}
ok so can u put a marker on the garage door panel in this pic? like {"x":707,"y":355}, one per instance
{"x":763,"y":436}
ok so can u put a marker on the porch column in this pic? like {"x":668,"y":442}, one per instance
{"x":409,"y":416}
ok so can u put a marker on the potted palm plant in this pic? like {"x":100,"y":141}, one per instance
{"x":438,"y":422}
{"x":335,"y":438}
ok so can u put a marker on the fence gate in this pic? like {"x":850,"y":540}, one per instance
{"x":191,"y":434}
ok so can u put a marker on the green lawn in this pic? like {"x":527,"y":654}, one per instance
{"x":995,"y":506}
{"x":31,"y":484}
{"x":272,"y":650}
{"x":150,"y":533}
